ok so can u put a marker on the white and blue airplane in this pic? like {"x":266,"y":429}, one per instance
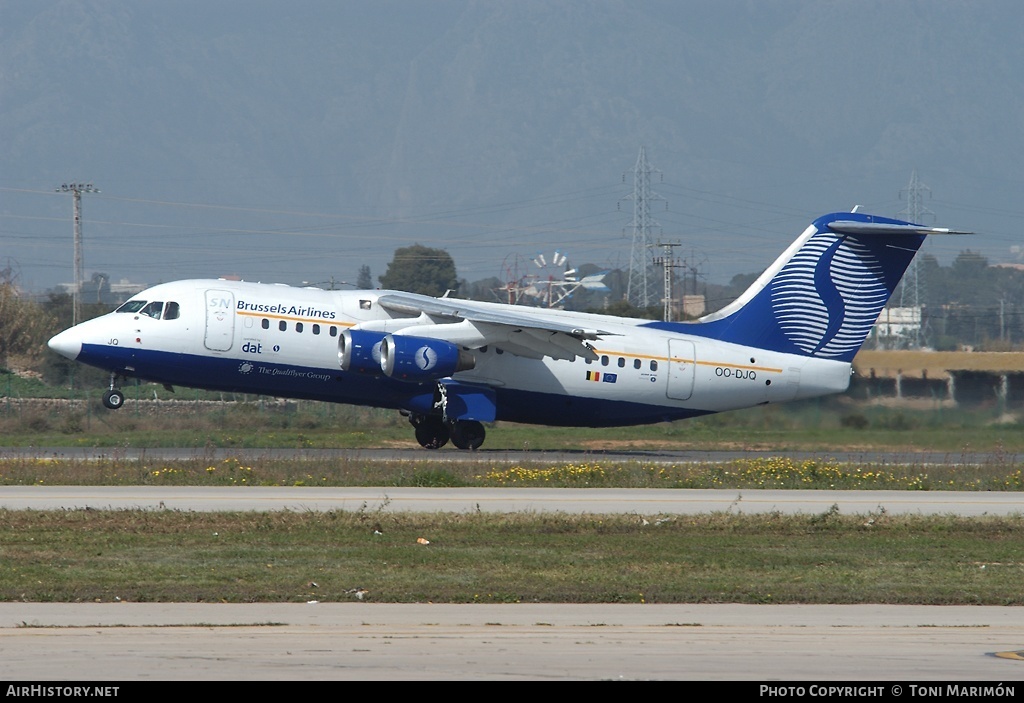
{"x":453,"y":365}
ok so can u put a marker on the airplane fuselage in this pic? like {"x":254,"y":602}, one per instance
{"x":284,"y":341}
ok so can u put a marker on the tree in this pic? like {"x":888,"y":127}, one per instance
{"x":485,"y":289}
{"x":420,"y":269}
{"x":623,"y":308}
{"x":24,"y":325}
{"x":364,"y":281}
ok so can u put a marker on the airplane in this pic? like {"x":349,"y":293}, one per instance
{"x":451,"y":366}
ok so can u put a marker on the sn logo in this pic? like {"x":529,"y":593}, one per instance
{"x":426,"y":358}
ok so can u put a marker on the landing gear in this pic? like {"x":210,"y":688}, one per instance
{"x":433,"y":433}
{"x":468,"y":434}
{"x":113,"y":398}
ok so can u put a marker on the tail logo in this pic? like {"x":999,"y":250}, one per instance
{"x":828,"y":296}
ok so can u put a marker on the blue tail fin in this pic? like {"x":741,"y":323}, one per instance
{"x":824,"y":294}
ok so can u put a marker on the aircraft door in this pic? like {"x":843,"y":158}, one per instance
{"x":220,"y":320}
{"x":680,"y":369}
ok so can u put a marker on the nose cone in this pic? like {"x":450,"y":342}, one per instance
{"x":68,"y":343}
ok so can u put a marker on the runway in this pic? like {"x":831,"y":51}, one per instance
{"x":138,"y":642}
{"x":129,"y":642}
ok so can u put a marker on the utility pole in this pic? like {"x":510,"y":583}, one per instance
{"x":667,"y":263}
{"x":637,"y":290}
{"x":1002,"y":319}
{"x":76,"y":190}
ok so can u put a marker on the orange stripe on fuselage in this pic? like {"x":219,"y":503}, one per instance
{"x":315,"y":320}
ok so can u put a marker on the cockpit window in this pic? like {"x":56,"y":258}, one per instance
{"x":154,"y":310}
{"x":171,"y":311}
{"x":132,"y":306}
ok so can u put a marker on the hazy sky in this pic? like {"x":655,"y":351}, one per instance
{"x":298,"y":141}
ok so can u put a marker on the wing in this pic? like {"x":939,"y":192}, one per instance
{"x":528,"y":332}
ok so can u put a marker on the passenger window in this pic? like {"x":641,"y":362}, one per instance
{"x":153,"y":310}
{"x":622,"y":363}
{"x":604,"y":361}
{"x":636,"y":363}
{"x":316,"y":329}
{"x":590,"y":361}
{"x":654,"y":365}
{"x":266,"y":324}
{"x":298,"y":326}
{"x":282,"y":325}
{"x":172,"y":311}
{"x":334,"y":331}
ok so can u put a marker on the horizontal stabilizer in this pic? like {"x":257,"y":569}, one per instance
{"x":886,"y":229}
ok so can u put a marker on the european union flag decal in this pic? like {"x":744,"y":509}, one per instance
{"x":610,"y":377}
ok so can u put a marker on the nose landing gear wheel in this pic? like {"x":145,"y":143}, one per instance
{"x":468,"y":434}
{"x":113,"y":399}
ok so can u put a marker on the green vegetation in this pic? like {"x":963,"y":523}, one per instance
{"x":420,"y":269}
{"x":999,"y":473}
{"x":154,"y":417}
{"x":169,"y":556}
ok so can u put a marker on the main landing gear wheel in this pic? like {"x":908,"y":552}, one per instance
{"x":113,"y":399}
{"x":468,"y":434}
{"x":431,"y":432}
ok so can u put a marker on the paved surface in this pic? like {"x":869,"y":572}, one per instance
{"x":385,"y":642}
{"x":640,"y":501}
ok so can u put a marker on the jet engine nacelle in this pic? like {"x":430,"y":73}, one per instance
{"x":359,"y":351}
{"x":418,"y":359}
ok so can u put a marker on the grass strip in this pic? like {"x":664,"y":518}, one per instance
{"x":171,"y":556}
{"x":998,"y":472}
{"x":813,"y":425}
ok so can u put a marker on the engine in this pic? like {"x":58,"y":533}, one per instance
{"x":359,"y":351}
{"x":418,"y":359}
